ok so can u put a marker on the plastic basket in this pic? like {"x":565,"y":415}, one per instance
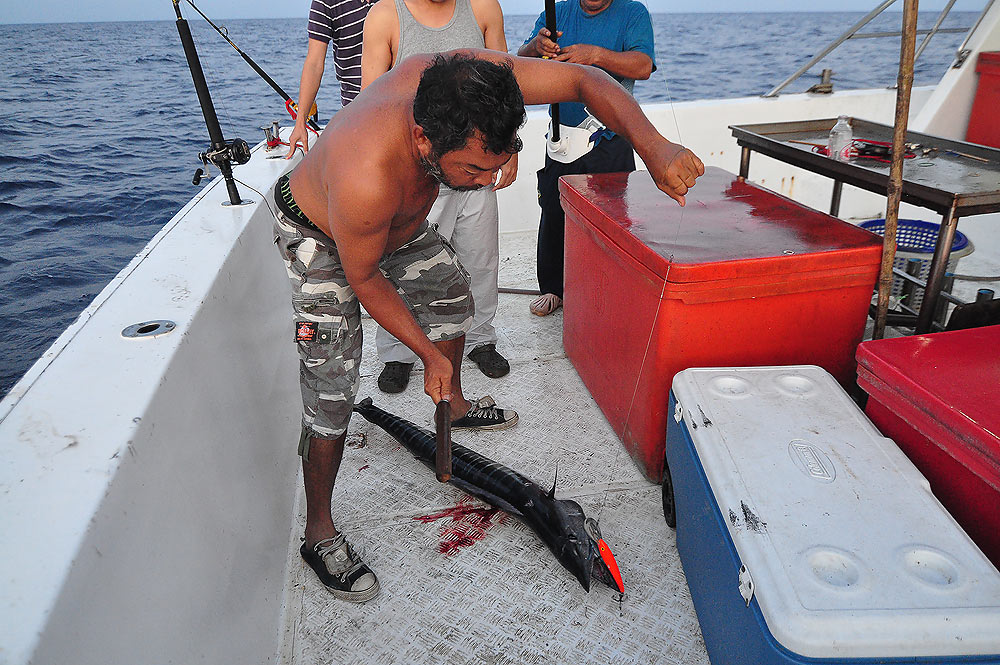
{"x":915,"y":240}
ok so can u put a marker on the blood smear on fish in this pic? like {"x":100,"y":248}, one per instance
{"x":469,"y":524}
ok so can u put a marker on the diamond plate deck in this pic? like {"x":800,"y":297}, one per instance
{"x":469,"y":588}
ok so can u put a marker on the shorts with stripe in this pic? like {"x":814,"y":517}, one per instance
{"x":427,"y":275}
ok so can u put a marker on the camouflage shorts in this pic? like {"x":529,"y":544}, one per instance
{"x":426,"y":274}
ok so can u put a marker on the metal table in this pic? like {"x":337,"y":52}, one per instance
{"x":953,"y":178}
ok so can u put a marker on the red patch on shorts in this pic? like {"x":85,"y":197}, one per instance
{"x":469,"y":523}
{"x":305,"y":331}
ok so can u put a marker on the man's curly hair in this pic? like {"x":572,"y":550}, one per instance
{"x":458,"y":94}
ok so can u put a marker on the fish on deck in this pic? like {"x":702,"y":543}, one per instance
{"x":560,"y":523}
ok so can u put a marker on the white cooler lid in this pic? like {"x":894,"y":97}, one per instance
{"x":850,"y":554}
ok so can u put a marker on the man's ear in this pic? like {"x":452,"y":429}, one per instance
{"x":423,"y":143}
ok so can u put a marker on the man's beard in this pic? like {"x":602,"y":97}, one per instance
{"x":433,"y":169}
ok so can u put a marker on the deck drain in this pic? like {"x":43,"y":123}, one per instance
{"x":149,"y":329}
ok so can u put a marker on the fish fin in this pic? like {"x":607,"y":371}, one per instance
{"x":555,"y":479}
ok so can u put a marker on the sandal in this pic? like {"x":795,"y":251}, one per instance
{"x":489,"y":361}
{"x":545,"y":304}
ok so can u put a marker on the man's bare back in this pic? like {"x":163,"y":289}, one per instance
{"x":366,"y":151}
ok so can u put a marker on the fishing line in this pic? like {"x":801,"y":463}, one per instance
{"x":290,"y":106}
{"x":262,"y":196}
{"x":663,"y":289}
{"x":220,"y":100}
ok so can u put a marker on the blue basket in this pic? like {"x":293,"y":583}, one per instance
{"x":916,"y":236}
{"x":915,"y":240}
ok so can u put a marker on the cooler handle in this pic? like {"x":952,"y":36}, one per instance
{"x":746,"y":584}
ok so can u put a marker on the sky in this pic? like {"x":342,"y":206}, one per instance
{"x":69,"y":11}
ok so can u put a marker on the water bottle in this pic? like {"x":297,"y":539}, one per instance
{"x":841,"y":140}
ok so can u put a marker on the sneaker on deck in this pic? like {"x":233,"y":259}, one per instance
{"x":341,"y":570}
{"x":485,"y":415}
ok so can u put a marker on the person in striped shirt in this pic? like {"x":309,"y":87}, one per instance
{"x":342,"y":23}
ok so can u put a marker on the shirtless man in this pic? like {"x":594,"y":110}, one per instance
{"x":352,"y":227}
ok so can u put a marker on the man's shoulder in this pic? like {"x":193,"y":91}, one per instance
{"x":382,"y":14}
{"x":635,"y":7}
{"x":628,"y":8}
{"x":491,"y":7}
{"x":331,"y":10}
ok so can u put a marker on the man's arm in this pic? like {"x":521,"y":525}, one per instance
{"x":673,"y":167}
{"x":541,"y":45}
{"x":627,"y":64}
{"x":490,"y":18}
{"x":312,"y":75}
{"x":376,"y":50}
{"x":359,"y":218}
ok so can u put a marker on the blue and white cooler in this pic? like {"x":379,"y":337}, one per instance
{"x":807,"y":537}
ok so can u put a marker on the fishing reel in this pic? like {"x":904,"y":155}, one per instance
{"x":236,"y":151}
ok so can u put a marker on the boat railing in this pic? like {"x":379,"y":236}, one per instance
{"x":961,"y":54}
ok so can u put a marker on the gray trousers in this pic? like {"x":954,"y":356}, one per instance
{"x":469,"y":221}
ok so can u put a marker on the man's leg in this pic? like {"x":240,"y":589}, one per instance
{"x":475,"y":238}
{"x":319,"y":473}
{"x":483,"y":414}
{"x":608,"y":156}
{"x":329,"y":341}
{"x":551,"y":225}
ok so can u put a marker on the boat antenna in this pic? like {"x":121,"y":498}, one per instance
{"x":222,"y":153}
{"x":290,"y":105}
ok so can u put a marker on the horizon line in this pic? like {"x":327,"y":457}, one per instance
{"x":511,"y":14}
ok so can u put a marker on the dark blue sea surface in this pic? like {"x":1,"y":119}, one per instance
{"x":100,"y":127}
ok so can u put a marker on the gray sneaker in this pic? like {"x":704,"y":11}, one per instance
{"x":485,"y":415}
{"x":341,"y":570}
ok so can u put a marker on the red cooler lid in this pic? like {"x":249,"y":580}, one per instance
{"x":728,"y":229}
{"x":954,"y":377}
{"x":988,"y":62}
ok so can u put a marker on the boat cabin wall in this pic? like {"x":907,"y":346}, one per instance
{"x":947,"y":112}
{"x":149,"y":484}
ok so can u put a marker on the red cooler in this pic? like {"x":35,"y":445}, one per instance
{"x":938,"y":397}
{"x":739,"y":277}
{"x":983,"y":126}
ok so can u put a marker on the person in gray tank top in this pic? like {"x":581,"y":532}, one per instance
{"x":395,"y":30}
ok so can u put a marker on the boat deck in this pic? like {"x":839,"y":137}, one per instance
{"x":463,"y":583}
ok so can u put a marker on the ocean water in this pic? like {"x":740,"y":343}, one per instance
{"x":100,"y":127}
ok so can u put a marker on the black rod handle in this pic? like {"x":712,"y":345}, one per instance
{"x":550,"y":24}
{"x":207,"y":107}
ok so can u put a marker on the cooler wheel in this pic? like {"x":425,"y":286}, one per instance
{"x":669,"y":509}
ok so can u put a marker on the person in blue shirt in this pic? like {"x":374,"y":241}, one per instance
{"x":617,"y":36}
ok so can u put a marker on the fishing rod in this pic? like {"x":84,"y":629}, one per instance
{"x":222,"y":153}
{"x":290,"y":104}
{"x":550,"y":24}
